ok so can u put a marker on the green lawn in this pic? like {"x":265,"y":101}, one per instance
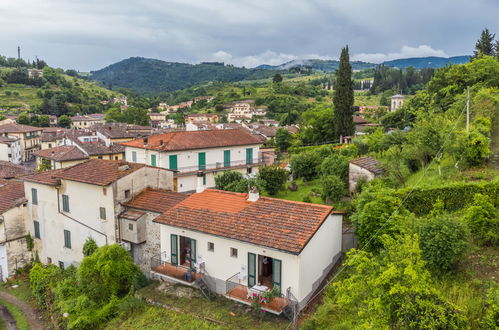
{"x":362,"y":99}
{"x":23,"y":292}
{"x":304,"y":189}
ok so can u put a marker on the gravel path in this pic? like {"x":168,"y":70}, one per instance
{"x":31,"y":315}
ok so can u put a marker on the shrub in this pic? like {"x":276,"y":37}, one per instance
{"x":335,"y":165}
{"x":483,"y":220}
{"x":333,"y":188}
{"x":89,"y":247}
{"x":443,"y":242}
{"x":305,"y":165}
{"x":226,"y":178}
{"x":272,"y":178}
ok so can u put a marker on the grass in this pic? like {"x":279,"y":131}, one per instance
{"x":25,"y":99}
{"x":22,"y":292}
{"x":234,"y":315}
{"x":304,"y":189}
{"x":362,"y":99}
{"x":18,"y":315}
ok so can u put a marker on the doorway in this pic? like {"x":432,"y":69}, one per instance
{"x":187,"y":251}
{"x":265,"y":271}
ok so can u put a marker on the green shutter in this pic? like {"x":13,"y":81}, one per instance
{"x":204,"y":179}
{"x":251,"y":269}
{"x":193,"y":252}
{"x":202,"y":160}
{"x":65,"y":203}
{"x":226,"y":158}
{"x":34,"y":196}
{"x":67,"y":239}
{"x":249,"y":156}
{"x":134,"y":156}
{"x":37,"y":229}
{"x":103,"y":213}
{"x":173,"y":162}
{"x":153,"y":160}
{"x":276,"y":273}
{"x":174,"y":249}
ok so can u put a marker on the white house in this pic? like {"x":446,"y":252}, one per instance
{"x":244,"y":245}
{"x":192,"y":153}
{"x":10,"y":149}
{"x":66,"y":206}
{"x":397,"y":101}
{"x":13,"y":248}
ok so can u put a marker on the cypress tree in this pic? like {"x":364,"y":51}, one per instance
{"x":485,"y":45}
{"x":343,"y":97}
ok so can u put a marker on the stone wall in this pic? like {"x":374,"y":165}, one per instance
{"x":142,"y":253}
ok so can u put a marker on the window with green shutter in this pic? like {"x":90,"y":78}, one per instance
{"x":173,"y":162}
{"x":153,"y":160}
{"x":249,"y":156}
{"x":226,"y":158}
{"x":202,"y":160}
{"x":34,"y":196}
{"x":67,"y":239}
{"x":134,"y":156}
{"x":65,"y":203}
{"x":102,"y":211}
{"x":36,"y":224}
{"x":251,"y":269}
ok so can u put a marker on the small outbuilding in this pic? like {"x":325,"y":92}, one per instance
{"x":363,"y":168}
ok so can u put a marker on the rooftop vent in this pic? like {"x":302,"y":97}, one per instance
{"x":253,"y":195}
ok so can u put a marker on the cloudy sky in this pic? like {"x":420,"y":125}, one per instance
{"x":90,"y":34}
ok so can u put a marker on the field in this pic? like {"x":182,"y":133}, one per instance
{"x":21,"y":96}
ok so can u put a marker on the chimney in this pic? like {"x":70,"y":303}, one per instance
{"x":145,"y":140}
{"x":253,"y":195}
{"x":199,"y":186}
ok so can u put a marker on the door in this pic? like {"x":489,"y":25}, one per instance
{"x":202,"y":160}
{"x":251,"y":269}
{"x":193,"y":252}
{"x":276,"y":273}
{"x":175,"y":184}
{"x":153,"y":160}
{"x":249,"y":156}
{"x":174,"y":249}
{"x":173,"y":162}
{"x":226,"y":158}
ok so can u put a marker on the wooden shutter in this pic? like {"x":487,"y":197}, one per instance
{"x":34,"y":196}
{"x":226,"y":158}
{"x":174,"y":249}
{"x":202,"y":160}
{"x":65,"y":203}
{"x":193,"y":252}
{"x":134,"y":156}
{"x":249,"y":156}
{"x":276,"y":273}
{"x":37,"y":229}
{"x":153,"y":160}
{"x":173,"y":162}
{"x":67,"y":239}
{"x":102,"y":213}
{"x":251,"y":269}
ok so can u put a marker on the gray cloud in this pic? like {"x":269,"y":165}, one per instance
{"x":89,"y":34}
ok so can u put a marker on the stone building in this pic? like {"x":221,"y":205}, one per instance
{"x":366,"y":168}
{"x":397,"y":101}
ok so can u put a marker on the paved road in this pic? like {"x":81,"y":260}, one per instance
{"x":31,"y":315}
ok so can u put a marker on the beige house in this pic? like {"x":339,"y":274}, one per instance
{"x":363,"y":168}
{"x":202,"y":117}
{"x":61,"y":156}
{"x":86,"y":121}
{"x":29,"y":138}
{"x":67,"y":206}
{"x":13,"y":249}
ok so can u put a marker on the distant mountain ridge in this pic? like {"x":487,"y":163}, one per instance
{"x":427,"y":62}
{"x":153,"y":76}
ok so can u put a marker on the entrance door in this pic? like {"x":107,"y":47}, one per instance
{"x":175,"y":184}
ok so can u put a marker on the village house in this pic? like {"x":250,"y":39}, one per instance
{"x":363,"y":168}
{"x":111,"y":133}
{"x":60,"y":157}
{"x":197,"y":153}
{"x":14,"y":252}
{"x":157,"y":119}
{"x":85,"y":121}
{"x":201,"y":117}
{"x":10,"y":149}
{"x":29,"y":138}
{"x":67,"y":206}
{"x":397,"y":101}
{"x":52,"y":137}
{"x":35,"y":73}
{"x":203,"y":98}
{"x":242,"y":245}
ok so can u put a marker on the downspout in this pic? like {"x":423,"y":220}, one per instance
{"x":81,"y":223}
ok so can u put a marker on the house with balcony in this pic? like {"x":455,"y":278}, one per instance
{"x":202,"y":153}
{"x":244,"y":246}
{"x":67,"y":206}
{"x":29,"y":138}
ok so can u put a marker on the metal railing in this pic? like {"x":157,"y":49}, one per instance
{"x":161,"y":265}
{"x":219,"y":165}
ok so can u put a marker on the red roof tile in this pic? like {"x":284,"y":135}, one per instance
{"x":9,"y":170}
{"x":275,"y":223}
{"x":186,"y":140}
{"x":62,"y":153}
{"x":369,"y":163}
{"x":11,"y":194}
{"x":156,"y":200}
{"x":18,"y":128}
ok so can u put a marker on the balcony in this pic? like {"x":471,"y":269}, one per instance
{"x":182,"y":170}
{"x":176,"y":273}
{"x":236,"y":289}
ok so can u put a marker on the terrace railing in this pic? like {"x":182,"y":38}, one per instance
{"x":220,"y":165}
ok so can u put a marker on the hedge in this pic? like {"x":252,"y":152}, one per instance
{"x":454,"y":196}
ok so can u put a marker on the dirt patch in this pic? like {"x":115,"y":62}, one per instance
{"x":10,"y":322}
{"x":178,"y":290}
{"x":484,"y":264}
{"x":34,"y":320}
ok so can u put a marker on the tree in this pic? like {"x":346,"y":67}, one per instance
{"x":43,"y":121}
{"x":485,"y":45}
{"x":283,"y":139}
{"x":277,"y":78}
{"x":23,"y":119}
{"x":64,"y":121}
{"x":443,"y":242}
{"x":45,"y":165}
{"x":89,"y":247}
{"x":305,"y":165}
{"x":137,"y":116}
{"x":333,"y":188}
{"x":335,"y":165}
{"x":483,"y":220}
{"x":225,"y":178}
{"x":343,"y":97}
{"x":272,"y":178}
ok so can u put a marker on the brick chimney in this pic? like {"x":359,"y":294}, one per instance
{"x":253,"y":195}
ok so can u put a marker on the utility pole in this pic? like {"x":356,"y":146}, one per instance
{"x":18,"y":56}
{"x":468,"y":110}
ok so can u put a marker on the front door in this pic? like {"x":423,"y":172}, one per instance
{"x":175,"y":184}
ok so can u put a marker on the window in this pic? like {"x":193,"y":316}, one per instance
{"x":202,"y":160}
{"x":67,"y":239}
{"x":226,"y":158}
{"x":49,"y":260}
{"x":34,"y":196}
{"x":65,"y":203}
{"x":61,"y":265}
{"x":249,"y":170}
{"x":50,"y":145}
{"x":153,"y":160}
{"x":233,"y":252}
{"x":134,"y":156}
{"x":104,"y":191}
{"x":100,"y":157}
{"x":36,"y":225}
{"x":173,"y":162}
{"x":127,"y":193}
{"x":211,"y":246}
{"x":249,"y":156}
{"x":130,"y":226}
{"x":115,"y":157}
{"x":102,"y":211}
{"x":204,"y":179}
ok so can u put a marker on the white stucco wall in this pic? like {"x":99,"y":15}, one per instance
{"x":14,"y":253}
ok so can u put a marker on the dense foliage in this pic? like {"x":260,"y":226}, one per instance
{"x":272,"y":178}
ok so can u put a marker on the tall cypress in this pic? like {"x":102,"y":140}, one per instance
{"x":343,"y":97}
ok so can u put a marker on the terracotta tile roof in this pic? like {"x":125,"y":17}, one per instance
{"x":11,"y":194}
{"x":18,"y":128}
{"x":132,"y":214}
{"x":275,"y":223}
{"x":156,"y":200}
{"x":369,"y":163}
{"x":9,"y":170}
{"x":120,"y":130}
{"x":7,"y":140}
{"x":359,"y":120}
{"x":187,"y":140}
{"x":90,"y":117}
{"x":99,"y":148}
{"x":62,"y":153}
{"x":94,"y":171}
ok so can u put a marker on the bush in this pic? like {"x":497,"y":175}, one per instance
{"x":226,"y":178}
{"x":483,"y":220}
{"x":305,"y":165}
{"x":335,"y":165}
{"x":443,"y":242}
{"x":272,"y":178}
{"x":89,"y":247}
{"x":333,"y":188}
